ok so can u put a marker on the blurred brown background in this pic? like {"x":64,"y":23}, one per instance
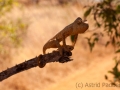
{"x":46,"y":18}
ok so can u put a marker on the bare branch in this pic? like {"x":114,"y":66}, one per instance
{"x":40,"y":61}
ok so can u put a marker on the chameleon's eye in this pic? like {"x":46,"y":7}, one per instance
{"x":79,"y":21}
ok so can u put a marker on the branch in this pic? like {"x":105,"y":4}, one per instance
{"x":40,"y":61}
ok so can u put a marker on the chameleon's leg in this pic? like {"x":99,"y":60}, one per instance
{"x":59,"y":47}
{"x":64,"y":44}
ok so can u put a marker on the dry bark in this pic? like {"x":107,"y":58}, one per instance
{"x":40,"y":61}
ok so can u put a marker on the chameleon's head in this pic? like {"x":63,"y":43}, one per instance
{"x":79,"y":26}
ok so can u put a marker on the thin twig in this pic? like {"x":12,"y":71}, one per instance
{"x":40,"y":61}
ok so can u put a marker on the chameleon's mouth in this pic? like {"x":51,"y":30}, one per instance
{"x":85,"y":21}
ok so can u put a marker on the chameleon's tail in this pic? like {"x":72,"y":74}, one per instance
{"x":49,"y":44}
{"x":44,"y":49}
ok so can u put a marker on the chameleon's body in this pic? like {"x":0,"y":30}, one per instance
{"x":75,"y":28}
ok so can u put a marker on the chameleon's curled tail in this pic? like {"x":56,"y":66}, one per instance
{"x":49,"y":44}
{"x":46,"y":46}
{"x":44,"y":49}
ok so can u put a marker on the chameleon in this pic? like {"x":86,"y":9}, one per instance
{"x":77,"y":27}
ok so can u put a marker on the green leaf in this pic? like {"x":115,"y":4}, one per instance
{"x":106,"y":77}
{"x":107,"y":43}
{"x":118,"y":9}
{"x":74,"y":39}
{"x":91,"y":45}
{"x":98,"y":24}
{"x":113,"y":41}
{"x":87,"y":12}
{"x":118,"y":51}
{"x":96,"y":39}
{"x":94,"y":34}
{"x":111,"y":72}
{"x":118,"y":43}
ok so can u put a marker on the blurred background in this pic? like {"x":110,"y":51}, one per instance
{"x":26,"y":25}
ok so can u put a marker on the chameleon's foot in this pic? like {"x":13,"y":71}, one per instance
{"x":67,"y":48}
{"x":65,"y":57}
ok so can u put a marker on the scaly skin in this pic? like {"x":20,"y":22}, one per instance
{"x":75,"y":28}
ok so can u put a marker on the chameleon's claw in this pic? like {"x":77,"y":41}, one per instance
{"x":68,"y":48}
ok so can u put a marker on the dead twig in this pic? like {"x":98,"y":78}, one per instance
{"x":40,"y":61}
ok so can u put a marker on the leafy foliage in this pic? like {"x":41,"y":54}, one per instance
{"x":10,"y":31}
{"x":107,"y":14}
{"x":6,"y":5}
{"x":92,"y":40}
{"x":116,"y":72}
